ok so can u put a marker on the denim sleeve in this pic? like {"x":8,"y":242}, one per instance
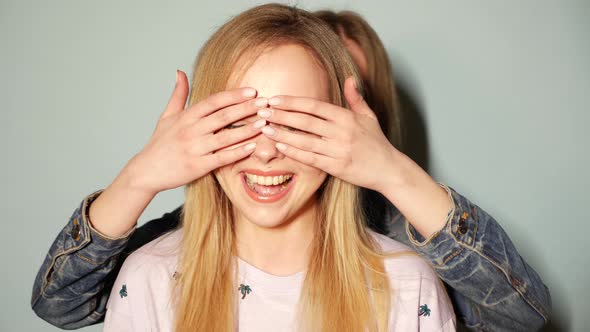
{"x":73,"y":285}
{"x":492,"y":287}
{"x":68,"y":289}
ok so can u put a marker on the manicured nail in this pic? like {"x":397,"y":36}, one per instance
{"x":268,"y":131}
{"x":264,"y":113}
{"x":259,"y":124}
{"x":261,"y":102}
{"x":274,"y":101}
{"x":250,"y":146}
{"x":249,"y":92}
{"x":281,"y":146}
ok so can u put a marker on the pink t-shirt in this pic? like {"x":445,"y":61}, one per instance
{"x":140,"y":299}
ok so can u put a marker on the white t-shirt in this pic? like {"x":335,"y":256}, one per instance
{"x":140,"y":299}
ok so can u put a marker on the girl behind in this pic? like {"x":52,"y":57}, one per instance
{"x":348,"y":283}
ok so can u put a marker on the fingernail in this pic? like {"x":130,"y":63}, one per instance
{"x":268,"y":131}
{"x":274,"y":101}
{"x":264,"y":113}
{"x":259,"y":124}
{"x":249,"y":92}
{"x":177,"y":77}
{"x":250,"y":146}
{"x":281,"y":146}
{"x":261,"y":102}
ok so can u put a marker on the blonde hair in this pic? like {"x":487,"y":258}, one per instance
{"x":381,"y":94}
{"x":346,"y":287}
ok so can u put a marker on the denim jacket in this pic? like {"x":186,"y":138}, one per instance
{"x":491,"y":286}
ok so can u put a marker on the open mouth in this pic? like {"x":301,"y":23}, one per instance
{"x":267,"y":189}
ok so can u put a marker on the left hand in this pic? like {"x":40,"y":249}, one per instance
{"x":346,"y":144}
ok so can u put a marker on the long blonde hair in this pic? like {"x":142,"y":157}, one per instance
{"x":381,"y":92}
{"x":381,"y":96}
{"x":346,"y":287}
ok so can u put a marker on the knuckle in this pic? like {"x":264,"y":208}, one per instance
{"x":206,"y":104}
{"x":307,"y":145}
{"x":183,"y":134}
{"x":305,"y":122}
{"x":224,"y":116}
{"x":348,"y":152}
{"x":221,"y":139}
{"x":313,"y":105}
{"x":278,"y":115}
{"x":191,"y":164}
{"x":243,"y":110}
{"x":346,"y":162}
{"x":218,"y":160}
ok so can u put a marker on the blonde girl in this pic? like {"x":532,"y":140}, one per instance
{"x":276,"y":241}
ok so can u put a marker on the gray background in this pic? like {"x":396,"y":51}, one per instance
{"x":502,"y":88}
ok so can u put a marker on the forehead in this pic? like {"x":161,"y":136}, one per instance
{"x":286,"y":70}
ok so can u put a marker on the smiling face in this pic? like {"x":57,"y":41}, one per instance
{"x":268,"y":189}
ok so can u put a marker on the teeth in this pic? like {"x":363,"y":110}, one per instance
{"x":267,"y":180}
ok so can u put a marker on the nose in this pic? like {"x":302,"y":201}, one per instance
{"x":266,"y":151}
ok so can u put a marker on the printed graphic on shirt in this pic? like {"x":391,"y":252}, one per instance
{"x":274,"y":305}
{"x":245,"y":290}
{"x":123,"y":291}
{"x":423,"y":310}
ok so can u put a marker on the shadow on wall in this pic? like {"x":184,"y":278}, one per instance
{"x":415,"y":141}
{"x":416,"y":146}
{"x":413,"y":125}
{"x":561,"y":314}
{"x":552,"y":326}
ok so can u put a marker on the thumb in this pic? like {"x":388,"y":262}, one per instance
{"x":355,"y":100}
{"x":177,"y":101}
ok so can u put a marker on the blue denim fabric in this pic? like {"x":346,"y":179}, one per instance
{"x":70,"y":289}
{"x":491,"y":286}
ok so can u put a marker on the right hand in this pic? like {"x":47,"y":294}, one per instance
{"x":185,"y":143}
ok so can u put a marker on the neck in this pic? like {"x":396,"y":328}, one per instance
{"x":282,"y":250}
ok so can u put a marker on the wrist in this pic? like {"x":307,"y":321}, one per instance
{"x":131,"y":179}
{"x":116,"y":211}
{"x":420,"y":199}
{"x":397,"y":174}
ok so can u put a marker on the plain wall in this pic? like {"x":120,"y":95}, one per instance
{"x":502,"y":87}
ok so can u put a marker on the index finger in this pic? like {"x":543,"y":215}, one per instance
{"x":220,"y":100}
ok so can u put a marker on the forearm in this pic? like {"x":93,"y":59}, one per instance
{"x":73,"y":284}
{"x":491,"y":284}
{"x":69,"y":288}
{"x":468,"y":249}
{"x":116,"y":211}
{"x":422,"y":201}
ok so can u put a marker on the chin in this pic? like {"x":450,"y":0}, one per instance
{"x":265,"y":218}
